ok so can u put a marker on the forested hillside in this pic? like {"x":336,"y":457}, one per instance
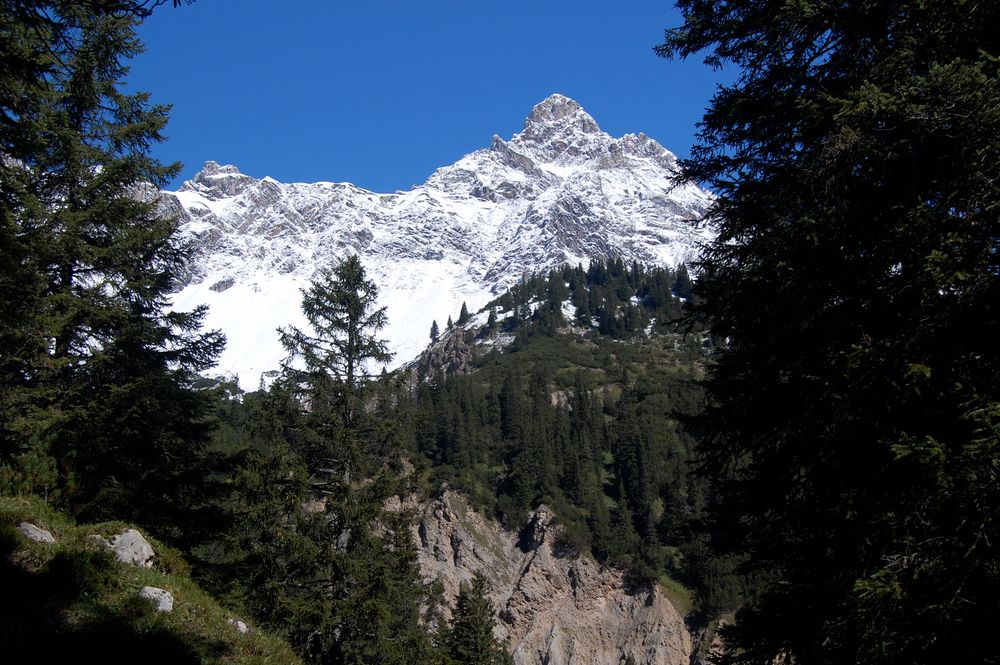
{"x":577,"y":399}
{"x":549,"y":410}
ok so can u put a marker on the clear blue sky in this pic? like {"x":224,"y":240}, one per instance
{"x":382,"y":92}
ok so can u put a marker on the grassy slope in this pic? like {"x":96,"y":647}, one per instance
{"x":71,"y":601}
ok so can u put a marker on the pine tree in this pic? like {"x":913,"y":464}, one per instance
{"x":327,"y":370}
{"x":104,"y":387}
{"x":435,"y":332}
{"x":856,"y":275}
{"x":470,"y":639}
{"x":23,"y":88}
{"x":337,"y":354}
{"x":359,"y":588}
{"x":463,"y":316}
{"x":377,"y":590}
{"x":682,"y":287}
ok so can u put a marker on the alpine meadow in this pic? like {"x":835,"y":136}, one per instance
{"x":573,"y":399}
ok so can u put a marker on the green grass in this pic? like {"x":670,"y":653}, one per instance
{"x":72,"y":600}
{"x":681,"y":597}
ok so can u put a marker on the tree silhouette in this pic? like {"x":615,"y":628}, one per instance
{"x":855,"y":416}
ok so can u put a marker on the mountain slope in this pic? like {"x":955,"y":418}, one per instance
{"x":71,"y":600}
{"x":561,"y":190}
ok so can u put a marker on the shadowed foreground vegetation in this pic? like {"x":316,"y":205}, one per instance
{"x":72,"y":600}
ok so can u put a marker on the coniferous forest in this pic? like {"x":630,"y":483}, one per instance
{"x":798,"y":437}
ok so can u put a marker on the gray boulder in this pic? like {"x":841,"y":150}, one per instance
{"x":34,"y":533}
{"x":163,"y":599}
{"x":130,"y":547}
{"x":240,"y":626}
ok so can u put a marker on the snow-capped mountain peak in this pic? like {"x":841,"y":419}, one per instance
{"x":557,"y":113}
{"x":216,"y":181}
{"x":561,"y":190}
{"x":558,"y":130}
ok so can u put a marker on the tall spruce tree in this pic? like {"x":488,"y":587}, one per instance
{"x":337,"y":353}
{"x":682,"y":283}
{"x":856,"y":276}
{"x":469,"y":639}
{"x":103,"y":380}
{"x":360,"y":589}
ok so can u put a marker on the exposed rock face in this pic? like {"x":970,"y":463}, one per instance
{"x":553,"y":609}
{"x":451,"y":354}
{"x":35,"y":533}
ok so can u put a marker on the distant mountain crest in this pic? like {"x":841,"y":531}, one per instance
{"x":561,"y":190}
{"x":553,"y":108}
{"x":215,"y":181}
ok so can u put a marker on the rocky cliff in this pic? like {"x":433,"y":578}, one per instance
{"x":554,"y":609}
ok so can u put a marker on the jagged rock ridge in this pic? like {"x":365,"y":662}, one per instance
{"x":561,"y":190}
{"x":553,"y":608}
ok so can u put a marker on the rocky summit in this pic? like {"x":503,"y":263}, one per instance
{"x":561,"y":190}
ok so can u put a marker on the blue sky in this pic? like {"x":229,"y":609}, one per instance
{"x":381,"y":93}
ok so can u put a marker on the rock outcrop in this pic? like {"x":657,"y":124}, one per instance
{"x":35,"y":533}
{"x":161,"y":598}
{"x":554,"y":609}
{"x":240,"y":626}
{"x":129,"y":547}
{"x":449,"y":355}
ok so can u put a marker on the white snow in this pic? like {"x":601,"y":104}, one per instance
{"x":559,"y":191}
{"x":568,"y":310}
{"x":249,"y":314}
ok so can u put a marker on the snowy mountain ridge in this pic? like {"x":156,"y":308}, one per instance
{"x":561,"y":190}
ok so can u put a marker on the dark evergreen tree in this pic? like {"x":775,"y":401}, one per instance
{"x":23,"y":90}
{"x":339,"y":351}
{"x":377,"y":591}
{"x":580,"y":297}
{"x":856,"y":274}
{"x":463,"y":316}
{"x":435,"y":331}
{"x":470,"y":640}
{"x":268,"y":560}
{"x":104,"y":386}
{"x":360,"y":594}
{"x":682,"y":287}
